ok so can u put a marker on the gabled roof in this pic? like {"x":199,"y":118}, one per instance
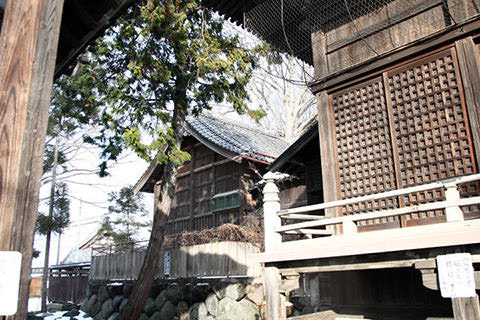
{"x":242,"y":141}
{"x":231,"y":140}
{"x":290,"y":161}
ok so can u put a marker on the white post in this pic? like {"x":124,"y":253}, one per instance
{"x":349,"y":227}
{"x":275,"y":302}
{"x":452,"y":211}
{"x":271,"y":205}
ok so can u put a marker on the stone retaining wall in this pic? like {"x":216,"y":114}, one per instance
{"x":215,"y":300}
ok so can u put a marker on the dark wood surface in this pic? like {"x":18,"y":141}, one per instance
{"x":468,"y":58}
{"x":327,"y":151}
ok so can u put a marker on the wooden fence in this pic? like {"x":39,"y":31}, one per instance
{"x":217,"y":259}
{"x":68,"y":284}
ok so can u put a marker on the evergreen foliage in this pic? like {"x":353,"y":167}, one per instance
{"x":159,"y":53}
{"x":61,"y":212}
{"x":126,"y":215}
{"x":163,"y":60}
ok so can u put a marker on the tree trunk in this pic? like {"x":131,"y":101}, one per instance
{"x":49,"y":234}
{"x":164,"y":193}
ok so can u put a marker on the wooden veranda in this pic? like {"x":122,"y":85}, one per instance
{"x":325,"y":249}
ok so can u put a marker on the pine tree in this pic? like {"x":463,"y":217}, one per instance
{"x":126,"y":216}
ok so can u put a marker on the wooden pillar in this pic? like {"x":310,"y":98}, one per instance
{"x":271,"y":205}
{"x":29,"y":40}
{"x":468,"y":60}
{"x":326,"y":135}
{"x":466,"y":308}
{"x":319,"y":51}
{"x":275,"y":302}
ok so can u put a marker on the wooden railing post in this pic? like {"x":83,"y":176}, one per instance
{"x":271,"y":205}
{"x":349,"y":227}
{"x":453,"y":213}
{"x":275,"y":302}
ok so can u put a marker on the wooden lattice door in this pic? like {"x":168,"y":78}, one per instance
{"x":364,"y":152}
{"x":407,"y":127}
{"x":430,"y":130}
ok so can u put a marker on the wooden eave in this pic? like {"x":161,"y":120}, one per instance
{"x":150,"y":176}
{"x":286,"y":161}
{"x":364,"y":70}
{"x":83,"y":21}
{"x":155,"y":170}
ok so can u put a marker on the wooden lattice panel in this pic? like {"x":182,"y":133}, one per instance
{"x":364,"y":152}
{"x":429,"y":127}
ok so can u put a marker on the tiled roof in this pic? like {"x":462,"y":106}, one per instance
{"x":232,"y":140}
{"x":238,"y":139}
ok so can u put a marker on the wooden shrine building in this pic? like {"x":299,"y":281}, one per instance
{"x":212,"y":189}
{"x":397,"y":83}
{"x":398,"y":90}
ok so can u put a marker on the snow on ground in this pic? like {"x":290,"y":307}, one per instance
{"x":59,"y":316}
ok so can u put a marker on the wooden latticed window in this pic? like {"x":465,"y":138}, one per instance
{"x":406,"y":127}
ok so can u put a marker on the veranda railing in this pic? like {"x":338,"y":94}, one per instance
{"x":274,"y":216}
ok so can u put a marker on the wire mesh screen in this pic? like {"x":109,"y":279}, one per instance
{"x":352,"y":31}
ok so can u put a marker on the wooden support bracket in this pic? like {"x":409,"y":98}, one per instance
{"x":428,"y":268}
{"x":292,"y":282}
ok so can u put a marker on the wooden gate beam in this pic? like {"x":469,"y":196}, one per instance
{"x":28,"y":45}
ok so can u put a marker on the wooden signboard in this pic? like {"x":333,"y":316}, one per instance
{"x":457,"y":281}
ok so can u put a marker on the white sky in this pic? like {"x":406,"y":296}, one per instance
{"x":86,"y":212}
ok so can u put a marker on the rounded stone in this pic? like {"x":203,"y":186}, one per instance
{"x":117,"y":300}
{"x":243,"y":310}
{"x":212,"y":304}
{"x":198,"y":311}
{"x":150,"y":307}
{"x":107,"y":308}
{"x":169,"y":311}
{"x":161,"y":299}
{"x":102,"y":294}
{"x":174,"y":294}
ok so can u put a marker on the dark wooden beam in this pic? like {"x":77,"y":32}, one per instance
{"x":29,"y":39}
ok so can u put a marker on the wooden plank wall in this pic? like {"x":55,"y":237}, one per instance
{"x":391,"y":26}
{"x":207,"y":174}
{"x":214,"y":259}
{"x":65,"y":288}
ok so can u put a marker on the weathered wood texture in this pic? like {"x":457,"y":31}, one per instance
{"x":29,"y":39}
{"x":326,"y":135}
{"x":293,"y":197}
{"x":35,"y":287}
{"x":206,"y":175}
{"x":204,"y":260}
{"x":390,"y":293}
{"x":384,"y":294}
{"x":466,"y":308}
{"x":468,"y":54}
{"x":65,"y":287}
{"x":274,"y":300}
{"x":391,"y":26}
{"x":403,"y":127}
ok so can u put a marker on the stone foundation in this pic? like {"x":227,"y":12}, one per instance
{"x":212,"y":300}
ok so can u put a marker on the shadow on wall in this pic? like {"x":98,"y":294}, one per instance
{"x":395,"y":294}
